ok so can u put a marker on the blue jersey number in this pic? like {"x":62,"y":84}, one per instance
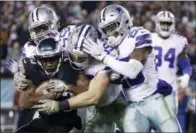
{"x":169,"y":56}
{"x":64,"y":36}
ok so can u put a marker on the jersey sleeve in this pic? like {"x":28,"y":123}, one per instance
{"x":182,"y":44}
{"x":143,"y":38}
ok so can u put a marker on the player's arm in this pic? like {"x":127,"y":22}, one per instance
{"x":81,"y":84}
{"x":134,"y":64}
{"x":30,"y":96}
{"x":185,"y":66}
{"x":88,"y":98}
{"x":93,"y":95}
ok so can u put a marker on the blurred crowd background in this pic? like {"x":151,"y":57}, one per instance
{"x":14,"y":34}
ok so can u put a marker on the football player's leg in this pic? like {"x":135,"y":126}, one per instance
{"x":83,"y":115}
{"x":99,"y":124}
{"x":172,"y":102}
{"x":119,"y":107}
{"x":134,"y":121}
{"x":161,"y":117}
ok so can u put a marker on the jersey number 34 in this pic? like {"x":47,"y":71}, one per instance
{"x":168,"y":57}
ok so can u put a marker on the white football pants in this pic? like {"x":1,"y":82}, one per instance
{"x":153,"y":109}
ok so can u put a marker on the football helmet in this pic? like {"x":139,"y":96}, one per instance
{"x":79,"y":59}
{"x":165,"y":23}
{"x":43,"y":21}
{"x":49,"y":55}
{"x":114,"y":21}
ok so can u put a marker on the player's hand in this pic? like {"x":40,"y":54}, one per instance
{"x":47,"y":106}
{"x":20,"y":81}
{"x":58,"y":87}
{"x":183,"y":80}
{"x":94,"y":49}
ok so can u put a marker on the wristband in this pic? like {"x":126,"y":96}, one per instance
{"x":64,"y":105}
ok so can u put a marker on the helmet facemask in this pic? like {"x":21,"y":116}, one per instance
{"x":165,"y":24}
{"x":50,"y":64}
{"x":49,"y":56}
{"x":116,"y":24}
{"x":79,"y":59}
{"x":45,"y":24}
{"x":44,"y":30}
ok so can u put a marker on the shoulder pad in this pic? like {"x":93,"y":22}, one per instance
{"x":183,"y":40}
{"x":142,"y":37}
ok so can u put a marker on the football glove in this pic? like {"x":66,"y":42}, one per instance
{"x":47,"y":106}
{"x":94,"y":49}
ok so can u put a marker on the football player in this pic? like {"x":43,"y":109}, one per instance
{"x":42,"y":22}
{"x":101,"y":93}
{"x":170,"y":53}
{"x":142,"y":87}
{"x":49,"y":71}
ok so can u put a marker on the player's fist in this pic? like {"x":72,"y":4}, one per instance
{"x":54,"y":86}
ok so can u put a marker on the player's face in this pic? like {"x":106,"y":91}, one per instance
{"x":165,"y":25}
{"x":111,"y":29}
{"x":41,"y":30}
{"x":50,"y":64}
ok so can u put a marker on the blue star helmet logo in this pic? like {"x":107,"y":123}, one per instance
{"x":119,"y":9}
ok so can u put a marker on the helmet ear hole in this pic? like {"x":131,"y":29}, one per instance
{"x":127,"y":21}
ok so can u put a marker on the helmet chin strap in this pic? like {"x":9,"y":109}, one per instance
{"x":164,"y":35}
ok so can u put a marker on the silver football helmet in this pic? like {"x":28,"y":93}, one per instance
{"x":114,"y":21}
{"x":165,"y":23}
{"x":49,"y":55}
{"x":79,"y":59}
{"x":43,"y":21}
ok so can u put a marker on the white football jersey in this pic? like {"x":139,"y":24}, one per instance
{"x":62,"y":37}
{"x":166,"y":54}
{"x":145,"y":83}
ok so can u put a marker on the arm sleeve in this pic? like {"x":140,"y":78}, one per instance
{"x":185,"y":65}
{"x":129,"y":69}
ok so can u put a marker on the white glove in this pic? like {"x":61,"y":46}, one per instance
{"x":47,"y":106}
{"x":183,"y":80}
{"x":94,"y":49}
{"x":20,"y":81}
